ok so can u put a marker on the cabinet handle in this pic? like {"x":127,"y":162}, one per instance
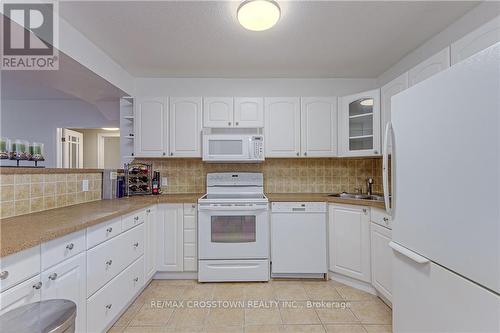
{"x":237,"y":123}
{"x":305,"y":154}
{"x":148,"y":211}
{"x":53,"y":276}
{"x":37,"y":285}
{"x":136,"y":279}
{"x":193,"y":206}
{"x":229,"y":123}
{"x":298,"y":154}
{"x":136,"y":218}
{"x":364,"y":210}
{"x":385,"y":219}
{"x":136,"y":244}
{"x":171,"y":154}
{"x":70,"y":246}
{"x":375,"y":152}
{"x":4,"y":275}
{"x":109,"y":262}
{"x":109,"y":229}
{"x":108,"y":306}
{"x":164,"y":154}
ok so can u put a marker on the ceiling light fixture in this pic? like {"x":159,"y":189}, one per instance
{"x":367,"y":102}
{"x":110,"y":128}
{"x":258,"y":15}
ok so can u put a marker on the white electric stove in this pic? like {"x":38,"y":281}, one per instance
{"x":233,"y":229}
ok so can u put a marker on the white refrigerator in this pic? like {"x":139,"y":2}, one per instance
{"x":445,"y":172}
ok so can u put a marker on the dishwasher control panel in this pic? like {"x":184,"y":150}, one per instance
{"x":298,"y":207}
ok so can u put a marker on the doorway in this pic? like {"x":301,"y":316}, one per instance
{"x":69,"y":149}
{"x":108,"y":150}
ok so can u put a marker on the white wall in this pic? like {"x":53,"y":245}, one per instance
{"x":37,"y":120}
{"x":478,"y":16}
{"x":90,"y":147}
{"x":250,"y":87}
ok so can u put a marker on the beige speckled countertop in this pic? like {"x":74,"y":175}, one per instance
{"x":22,"y":232}
{"x":283,"y":197}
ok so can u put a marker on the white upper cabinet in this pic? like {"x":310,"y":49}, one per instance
{"x":248,"y":112}
{"x":282,"y":126}
{"x":390,"y":89}
{"x":218,"y":112}
{"x":359,"y":124}
{"x":319,"y":126}
{"x":150,"y":127}
{"x":185,"y":126}
{"x":429,"y":67}
{"x":476,"y":41}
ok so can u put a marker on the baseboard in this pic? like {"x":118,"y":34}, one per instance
{"x":176,"y":276}
{"x":361,"y":285}
{"x":315,"y":276}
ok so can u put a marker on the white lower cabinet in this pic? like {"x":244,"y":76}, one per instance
{"x":349,"y":241}
{"x":382,"y":256}
{"x":170,"y":238}
{"x":190,"y":238}
{"x":150,"y":231}
{"x":67,"y":280}
{"x":105,"y":305}
{"x":26,"y":292}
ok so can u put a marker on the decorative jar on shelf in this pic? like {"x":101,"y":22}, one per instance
{"x":36,"y":151}
{"x":19,"y":150}
{"x":4,"y":148}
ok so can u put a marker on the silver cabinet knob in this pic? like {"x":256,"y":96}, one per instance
{"x":109,"y":262}
{"x":305,"y":154}
{"x":136,"y":279}
{"x":171,"y":154}
{"x":375,"y":151}
{"x":385,"y":219}
{"x":298,"y":154}
{"x":108,"y":306}
{"x":148,"y":211}
{"x":193,"y":206}
{"x":37,"y":285}
{"x":237,"y":123}
{"x":229,"y":123}
{"x":110,"y":229}
{"x":164,"y":154}
{"x":53,"y":276}
{"x":365,"y":210}
{"x":4,"y":275}
{"x":136,"y":218}
{"x":136,"y":244}
{"x":70,"y":246}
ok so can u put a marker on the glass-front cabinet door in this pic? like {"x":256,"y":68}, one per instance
{"x":360,"y":124}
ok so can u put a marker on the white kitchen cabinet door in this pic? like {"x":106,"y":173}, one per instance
{"x":359,"y":124}
{"x":248,"y":112}
{"x":382,"y":256}
{"x":282,"y":126}
{"x":190,"y":238}
{"x":218,"y":112}
{"x":67,"y":280}
{"x":476,"y":41}
{"x":349,"y":238}
{"x":429,"y":67}
{"x":150,"y":126}
{"x":150,"y":243}
{"x":170,"y":238}
{"x":392,"y":88}
{"x":185,"y":126}
{"x":26,"y":292}
{"x":319,"y":126}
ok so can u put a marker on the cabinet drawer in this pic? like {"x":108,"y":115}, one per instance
{"x":189,"y":222}
{"x":104,"y":262}
{"x":18,"y":267}
{"x":233,"y":270}
{"x":189,"y":209}
{"x":190,"y":264}
{"x":21,"y":294}
{"x":104,"y":306}
{"x":62,"y":248}
{"x":133,"y":244}
{"x":104,"y":231}
{"x":190,"y":236}
{"x":132,"y":220}
{"x":190,"y":250}
{"x":380,"y":217}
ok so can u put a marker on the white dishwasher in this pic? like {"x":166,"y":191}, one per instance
{"x":298,"y":239}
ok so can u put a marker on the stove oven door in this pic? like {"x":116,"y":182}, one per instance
{"x":233,"y":231}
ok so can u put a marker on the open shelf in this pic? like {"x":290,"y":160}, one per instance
{"x":129,"y":117}
{"x":360,"y":137}
{"x":361,"y":115}
{"x":129,"y":137}
{"x":129,"y":99}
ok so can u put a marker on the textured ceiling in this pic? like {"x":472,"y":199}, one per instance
{"x":312,"y":39}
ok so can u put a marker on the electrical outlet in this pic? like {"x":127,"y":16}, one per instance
{"x":85,"y":185}
{"x":164,"y":181}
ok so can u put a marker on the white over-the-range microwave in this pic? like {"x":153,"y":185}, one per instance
{"x":233,"y":148}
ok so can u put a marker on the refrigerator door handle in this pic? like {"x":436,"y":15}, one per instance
{"x":385,"y":168}
{"x":408,"y":253}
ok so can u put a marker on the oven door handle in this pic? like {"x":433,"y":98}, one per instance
{"x":233,"y":208}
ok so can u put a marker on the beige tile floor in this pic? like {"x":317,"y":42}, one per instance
{"x":343,"y":310}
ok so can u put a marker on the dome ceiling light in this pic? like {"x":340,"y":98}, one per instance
{"x":258,"y":15}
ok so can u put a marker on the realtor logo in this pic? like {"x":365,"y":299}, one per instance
{"x":29,"y":36}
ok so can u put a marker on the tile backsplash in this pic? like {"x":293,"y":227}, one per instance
{"x":28,"y":193}
{"x":314,"y":175}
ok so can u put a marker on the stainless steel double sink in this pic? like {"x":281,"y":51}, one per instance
{"x":359,"y":196}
